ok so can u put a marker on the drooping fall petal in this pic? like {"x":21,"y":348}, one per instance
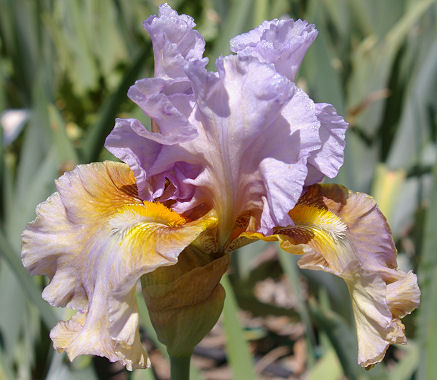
{"x":95,"y":238}
{"x":344,"y":233}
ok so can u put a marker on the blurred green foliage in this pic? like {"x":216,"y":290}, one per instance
{"x":69,"y":64}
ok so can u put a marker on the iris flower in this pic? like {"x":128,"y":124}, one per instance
{"x":233,"y":156}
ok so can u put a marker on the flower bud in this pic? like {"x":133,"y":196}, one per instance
{"x":185,"y":300}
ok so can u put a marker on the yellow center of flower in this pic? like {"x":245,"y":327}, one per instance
{"x":154,"y":212}
{"x":132,"y":221}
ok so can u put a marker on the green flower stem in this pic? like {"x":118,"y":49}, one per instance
{"x":180,"y":367}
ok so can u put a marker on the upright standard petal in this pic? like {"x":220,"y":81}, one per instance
{"x":344,"y":233}
{"x":167,"y":99}
{"x":95,"y":238}
{"x":327,"y":160}
{"x":255,"y":132}
{"x":240,"y":140}
{"x":241,"y":114}
{"x":174,"y":42}
{"x":284,"y":44}
{"x":281,"y":42}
